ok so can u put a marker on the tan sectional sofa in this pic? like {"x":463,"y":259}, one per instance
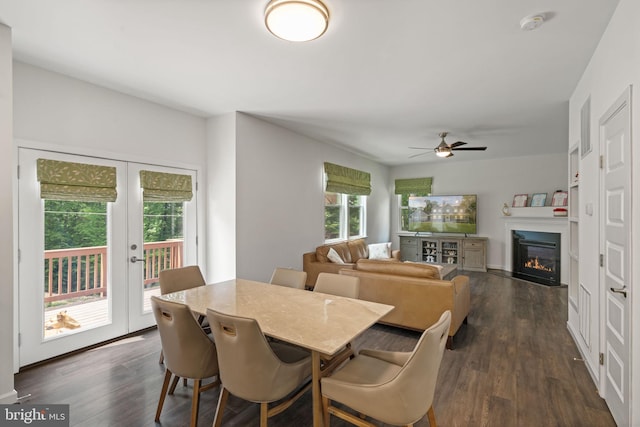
{"x":351,"y":251}
{"x":416,"y":291}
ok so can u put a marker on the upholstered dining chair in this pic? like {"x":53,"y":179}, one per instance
{"x":289,"y":277}
{"x":255,"y":369}
{"x":189,"y":352}
{"x":345,"y":286}
{"x":338,"y":284}
{"x":393,"y":387}
{"x":180,"y":279}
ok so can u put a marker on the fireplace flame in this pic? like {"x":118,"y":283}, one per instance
{"x":533,"y":263}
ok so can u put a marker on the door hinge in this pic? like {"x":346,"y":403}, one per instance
{"x":601,"y":260}
{"x":601,"y":358}
{"x":601,"y":161}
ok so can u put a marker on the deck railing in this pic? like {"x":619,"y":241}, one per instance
{"x":77,"y":272}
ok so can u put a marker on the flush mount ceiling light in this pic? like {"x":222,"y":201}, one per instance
{"x":296,"y":20}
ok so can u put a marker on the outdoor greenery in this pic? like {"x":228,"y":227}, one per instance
{"x":333,"y":214}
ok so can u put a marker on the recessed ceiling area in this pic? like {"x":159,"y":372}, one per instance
{"x":386,"y":75}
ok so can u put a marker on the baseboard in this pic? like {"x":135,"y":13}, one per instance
{"x":8,"y":398}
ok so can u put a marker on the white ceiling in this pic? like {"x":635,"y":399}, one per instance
{"x":387,"y":74}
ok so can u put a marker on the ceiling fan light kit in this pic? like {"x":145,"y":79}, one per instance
{"x":296,"y":20}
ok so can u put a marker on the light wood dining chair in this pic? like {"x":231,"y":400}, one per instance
{"x":255,"y":369}
{"x":338,"y":284}
{"x":289,"y":277}
{"x":188,"y":351}
{"x":396,"y":388}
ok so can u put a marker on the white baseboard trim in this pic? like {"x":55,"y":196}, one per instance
{"x":8,"y":398}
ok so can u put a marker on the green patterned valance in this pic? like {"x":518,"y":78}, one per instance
{"x":345,"y":180}
{"x":76,"y":181}
{"x":165,"y":187}
{"x":414,"y":186}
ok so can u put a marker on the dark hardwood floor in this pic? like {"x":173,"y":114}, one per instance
{"x":513,"y":364}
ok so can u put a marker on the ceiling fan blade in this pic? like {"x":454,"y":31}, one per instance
{"x":457,"y":144}
{"x":417,"y":155}
{"x":470,"y":149}
{"x":419,"y":148}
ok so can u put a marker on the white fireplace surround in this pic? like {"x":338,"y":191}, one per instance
{"x":548,"y":224}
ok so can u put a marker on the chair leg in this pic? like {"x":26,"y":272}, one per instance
{"x":325,"y":411}
{"x":195,"y":402}
{"x":222,"y":402}
{"x":449,"y":345}
{"x":264,"y":414}
{"x":432,"y":417}
{"x":163,"y":393}
{"x":174,"y":383}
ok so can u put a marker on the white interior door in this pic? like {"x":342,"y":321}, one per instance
{"x":615,"y":144}
{"x":78,"y":285}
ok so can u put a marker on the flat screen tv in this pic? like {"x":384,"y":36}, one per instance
{"x":443,"y":214}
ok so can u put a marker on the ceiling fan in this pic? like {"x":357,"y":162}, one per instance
{"x":446,"y":150}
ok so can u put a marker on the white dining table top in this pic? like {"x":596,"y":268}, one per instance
{"x":316,"y":321}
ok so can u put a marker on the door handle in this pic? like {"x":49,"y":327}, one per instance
{"x":135,"y":259}
{"x":622,"y":290}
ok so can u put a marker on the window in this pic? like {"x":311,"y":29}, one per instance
{"x":405,"y":189}
{"x":344,"y":216}
{"x":406,"y":211}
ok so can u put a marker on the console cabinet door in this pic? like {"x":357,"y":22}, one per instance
{"x":475,"y":255}
{"x":409,"y":248}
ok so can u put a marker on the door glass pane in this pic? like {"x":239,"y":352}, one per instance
{"x":75,"y":266}
{"x":163,"y":224}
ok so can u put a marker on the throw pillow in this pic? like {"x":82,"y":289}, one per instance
{"x":380,"y":250}
{"x":334,"y":256}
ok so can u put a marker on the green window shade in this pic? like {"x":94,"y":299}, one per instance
{"x":413,"y":186}
{"x":76,"y":181}
{"x":165,"y":187}
{"x":345,"y":180}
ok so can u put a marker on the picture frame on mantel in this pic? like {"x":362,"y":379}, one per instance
{"x":538,"y":199}
{"x":559,"y":198}
{"x":520,"y":200}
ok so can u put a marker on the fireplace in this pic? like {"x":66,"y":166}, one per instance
{"x":536,"y":256}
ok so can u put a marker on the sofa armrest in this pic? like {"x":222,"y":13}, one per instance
{"x":461,"y":299}
{"x":395,"y":254}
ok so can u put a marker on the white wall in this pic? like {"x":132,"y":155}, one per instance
{"x":614,"y":66}
{"x":221,"y":198}
{"x":7,"y":252}
{"x":279,"y":199}
{"x":495,"y":181}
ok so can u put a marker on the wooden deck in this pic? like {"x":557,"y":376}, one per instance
{"x":89,"y":314}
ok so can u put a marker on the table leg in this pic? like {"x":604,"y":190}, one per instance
{"x":316,"y":375}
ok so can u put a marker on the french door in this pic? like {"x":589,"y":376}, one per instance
{"x":87,"y":269}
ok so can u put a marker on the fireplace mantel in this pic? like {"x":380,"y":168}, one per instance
{"x":546,"y":223}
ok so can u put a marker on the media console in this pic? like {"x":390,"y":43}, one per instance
{"x":467,"y":253}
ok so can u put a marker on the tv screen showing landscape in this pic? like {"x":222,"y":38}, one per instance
{"x":443,"y":214}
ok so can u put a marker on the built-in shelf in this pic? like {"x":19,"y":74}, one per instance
{"x":573,"y":181}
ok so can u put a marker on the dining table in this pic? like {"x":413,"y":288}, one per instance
{"x":322,"y":323}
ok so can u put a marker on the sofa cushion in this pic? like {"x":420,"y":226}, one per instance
{"x":411,"y":269}
{"x":341,"y":248}
{"x":358,"y":249}
{"x":380,"y":250}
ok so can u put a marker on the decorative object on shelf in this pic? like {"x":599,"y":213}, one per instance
{"x":520,"y":200}
{"x":505,"y":210}
{"x":559,"y":198}
{"x":560,"y":212}
{"x":538,"y":199}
